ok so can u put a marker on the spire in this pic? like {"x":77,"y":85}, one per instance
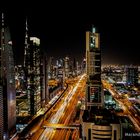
{"x":2,"y":31}
{"x":2,"y":64}
{"x":93,"y":29}
{"x":2,"y":19}
{"x":26,"y":42}
{"x":26,"y":33}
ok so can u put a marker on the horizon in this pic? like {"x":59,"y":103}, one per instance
{"x":63,"y":32}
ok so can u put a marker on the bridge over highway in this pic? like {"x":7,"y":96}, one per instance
{"x":61,"y":126}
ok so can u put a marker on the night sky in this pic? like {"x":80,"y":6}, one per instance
{"x":62,"y":28}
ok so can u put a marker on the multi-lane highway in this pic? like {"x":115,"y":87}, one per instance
{"x":126,"y":105}
{"x":63,"y":113}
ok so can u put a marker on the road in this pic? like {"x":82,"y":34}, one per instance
{"x":63,"y":113}
{"x":126,"y":105}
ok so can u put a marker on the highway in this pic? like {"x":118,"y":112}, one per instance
{"x":35,"y":123}
{"x":125,"y":104}
{"x":63,"y":113}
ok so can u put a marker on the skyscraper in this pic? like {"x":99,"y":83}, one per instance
{"x":7,"y":85}
{"x":97,"y":122}
{"x":50,"y":67}
{"x":44,"y":79}
{"x":67,"y":66}
{"x":94,"y":95}
{"x":132,"y":75}
{"x":36,"y":73}
{"x":33,"y":76}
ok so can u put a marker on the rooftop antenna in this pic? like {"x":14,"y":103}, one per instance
{"x":93,"y":29}
{"x":2,"y":32}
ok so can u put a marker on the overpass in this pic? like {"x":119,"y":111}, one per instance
{"x":61,"y":126}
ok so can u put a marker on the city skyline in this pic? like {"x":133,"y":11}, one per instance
{"x":44,"y":97}
{"x":63,"y":32}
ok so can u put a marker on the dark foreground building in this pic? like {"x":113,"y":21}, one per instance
{"x":7,"y":86}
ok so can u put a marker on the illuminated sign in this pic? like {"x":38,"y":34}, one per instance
{"x":94,"y":91}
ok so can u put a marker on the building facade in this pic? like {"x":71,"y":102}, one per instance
{"x":97,"y":122}
{"x":7,"y":85}
{"x":36,"y":71}
{"x":67,"y":66}
{"x":33,"y":76}
{"x":132,"y":75}
{"x":44,"y":79}
{"x":94,"y":92}
{"x":94,"y":132}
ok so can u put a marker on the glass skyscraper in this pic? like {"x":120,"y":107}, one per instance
{"x":7,"y":85}
{"x":93,"y":69}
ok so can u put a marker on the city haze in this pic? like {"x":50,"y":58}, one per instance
{"x":62,"y":29}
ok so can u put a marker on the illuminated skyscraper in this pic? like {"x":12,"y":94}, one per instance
{"x":50,"y":68}
{"x":94,"y":95}
{"x":44,"y":79}
{"x":97,"y":122}
{"x":26,"y":52}
{"x":66,"y":66}
{"x":132,"y":75}
{"x":33,"y":76}
{"x":36,"y":75}
{"x":7,"y":86}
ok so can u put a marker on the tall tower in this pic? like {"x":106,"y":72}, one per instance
{"x":95,"y":119}
{"x":26,"y":46}
{"x":132,"y":75}
{"x":33,"y":76}
{"x":94,"y":95}
{"x":33,"y":68}
{"x":44,"y":79}
{"x":1,"y":80}
{"x":67,"y":66}
{"x":7,"y":86}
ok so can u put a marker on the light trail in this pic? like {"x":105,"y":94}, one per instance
{"x":49,"y":132}
{"x":125,"y":104}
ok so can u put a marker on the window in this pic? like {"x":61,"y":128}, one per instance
{"x":97,"y":63}
{"x":97,"y":57}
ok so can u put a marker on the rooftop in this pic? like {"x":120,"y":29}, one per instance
{"x":100,"y":116}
